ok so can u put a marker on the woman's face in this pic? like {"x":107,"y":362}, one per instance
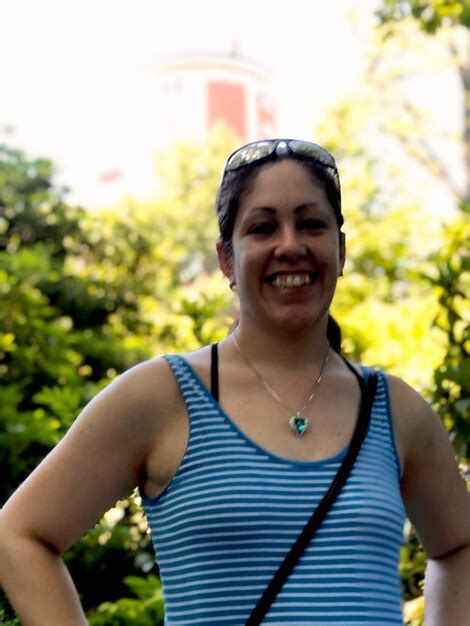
{"x":287,"y":249}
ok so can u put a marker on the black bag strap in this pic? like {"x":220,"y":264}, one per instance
{"x":280,"y":577}
{"x":215,"y":372}
{"x":367,"y":399}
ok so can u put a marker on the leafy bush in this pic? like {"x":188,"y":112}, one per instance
{"x":146,"y":609}
{"x":414,"y":612}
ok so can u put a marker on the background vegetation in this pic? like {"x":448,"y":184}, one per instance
{"x":85,"y":296}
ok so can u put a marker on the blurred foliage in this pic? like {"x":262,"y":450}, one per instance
{"x":414,"y":612}
{"x":116,"y":546}
{"x":146,"y":609}
{"x":83,"y":297}
{"x":384,"y":304}
{"x":451,"y":276}
{"x":401,"y":303}
{"x":430,"y":14}
{"x":448,"y":272}
{"x":412,"y":564}
{"x":64,"y":333}
{"x":190,"y":175}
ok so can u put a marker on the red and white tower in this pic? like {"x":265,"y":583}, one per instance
{"x":198,"y":89}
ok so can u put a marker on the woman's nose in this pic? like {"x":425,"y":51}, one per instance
{"x":290,"y":243}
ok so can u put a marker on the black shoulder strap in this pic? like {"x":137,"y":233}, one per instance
{"x":215,"y":371}
{"x":269,"y":595}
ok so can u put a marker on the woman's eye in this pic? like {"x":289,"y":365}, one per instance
{"x":261,"y":229}
{"x":312,"y":223}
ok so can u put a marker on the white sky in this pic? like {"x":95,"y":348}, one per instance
{"x":75,"y":76}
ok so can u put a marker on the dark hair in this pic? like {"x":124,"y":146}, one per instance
{"x":333,"y":332}
{"x":236,"y":184}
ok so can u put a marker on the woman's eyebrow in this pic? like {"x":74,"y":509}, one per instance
{"x":273,"y":211}
{"x":262,"y":209}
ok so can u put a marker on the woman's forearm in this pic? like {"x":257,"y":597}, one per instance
{"x":447,"y":590}
{"x":38,"y":584}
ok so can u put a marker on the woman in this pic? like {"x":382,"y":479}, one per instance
{"x":229,"y":485}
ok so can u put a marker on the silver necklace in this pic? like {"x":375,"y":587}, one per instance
{"x":299,"y":421}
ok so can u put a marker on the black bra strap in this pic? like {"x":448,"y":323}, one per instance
{"x":215,"y":371}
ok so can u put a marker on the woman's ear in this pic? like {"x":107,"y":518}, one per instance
{"x":225,"y":260}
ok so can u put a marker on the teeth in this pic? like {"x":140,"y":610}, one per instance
{"x":291,"y":280}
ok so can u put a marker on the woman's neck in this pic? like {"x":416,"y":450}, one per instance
{"x":287,"y":349}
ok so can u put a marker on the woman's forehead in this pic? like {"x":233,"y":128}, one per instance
{"x":283,"y":184}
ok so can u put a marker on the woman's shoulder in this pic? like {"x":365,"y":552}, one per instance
{"x":153,"y":383}
{"x":410,"y":414}
{"x":146,"y":388}
{"x":415,"y":422}
{"x":407,"y":402}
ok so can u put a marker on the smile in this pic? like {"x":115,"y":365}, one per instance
{"x":283,"y":281}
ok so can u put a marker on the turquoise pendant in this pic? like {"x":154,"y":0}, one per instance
{"x":299,"y":423}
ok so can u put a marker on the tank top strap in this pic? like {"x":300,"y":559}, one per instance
{"x":197,"y":397}
{"x":382,"y":418}
{"x":191,"y":386}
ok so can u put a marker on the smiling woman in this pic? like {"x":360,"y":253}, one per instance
{"x":236,"y":444}
{"x":285,"y":229}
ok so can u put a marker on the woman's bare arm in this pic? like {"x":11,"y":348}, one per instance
{"x":438,"y":505}
{"x":101,"y":458}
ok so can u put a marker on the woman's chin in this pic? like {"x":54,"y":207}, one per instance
{"x":296,"y":322}
{"x":287,"y":317}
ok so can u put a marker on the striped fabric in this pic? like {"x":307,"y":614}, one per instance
{"x":231,"y":512}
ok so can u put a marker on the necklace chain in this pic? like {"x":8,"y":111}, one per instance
{"x":298,"y":421}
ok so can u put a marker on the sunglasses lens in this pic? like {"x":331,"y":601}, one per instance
{"x":312,"y":151}
{"x":249,"y":154}
{"x":259,"y":150}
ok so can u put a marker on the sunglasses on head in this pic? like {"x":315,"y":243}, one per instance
{"x":259,"y":151}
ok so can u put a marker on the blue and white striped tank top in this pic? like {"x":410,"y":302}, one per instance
{"x":231,"y":512}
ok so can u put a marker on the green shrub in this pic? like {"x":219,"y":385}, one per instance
{"x":146,"y":609}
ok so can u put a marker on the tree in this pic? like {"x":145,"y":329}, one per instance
{"x":385,"y":307}
{"x":83,"y":298}
{"x":451,"y":393}
{"x":59,"y":338}
{"x":430,"y":14}
{"x":449,"y":270}
{"x":432,"y":17}
{"x":65,"y":328}
{"x":447,"y":267}
{"x":420,"y":282}
{"x":189,"y":176}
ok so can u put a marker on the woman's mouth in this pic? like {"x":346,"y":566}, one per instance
{"x":292,"y":280}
